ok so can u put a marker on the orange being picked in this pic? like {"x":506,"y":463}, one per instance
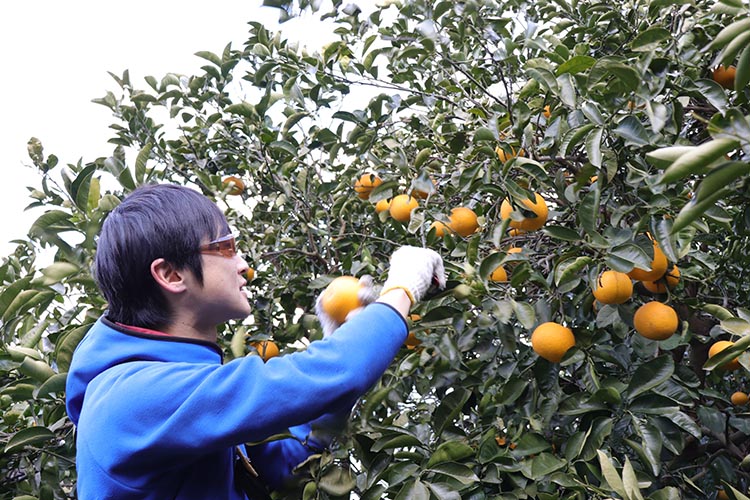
{"x":463,"y":221}
{"x":739,"y":398}
{"x":234,"y":184}
{"x":724,"y":76}
{"x":658,"y":267}
{"x":365,"y":184}
{"x":719,"y":346}
{"x":613,"y":287}
{"x":401,"y":207}
{"x":341,"y":297}
{"x":656,"y":321}
{"x":537,"y":207}
{"x":382,"y":205}
{"x":669,"y":281}
{"x":266,"y":348}
{"x":250,"y":274}
{"x":552,"y":340}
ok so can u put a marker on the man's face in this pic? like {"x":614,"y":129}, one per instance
{"x":222,"y":296}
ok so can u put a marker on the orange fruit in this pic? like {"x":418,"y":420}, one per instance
{"x":655,"y":321}
{"x":401,"y":207}
{"x":516,"y":232}
{"x":440,"y":228}
{"x":547,"y":112}
{"x":739,"y":398}
{"x":552,"y":340}
{"x":499,"y":274}
{"x":719,"y":346}
{"x":463,"y":221}
{"x":233,"y":184}
{"x":669,"y":281}
{"x":724,"y":76}
{"x":613,"y":287}
{"x":341,"y":297}
{"x":538,"y":207}
{"x":722,"y":495}
{"x":504,"y":156}
{"x":365,"y":184}
{"x":250,"y":274}
{"x":266,"y":348}
{"x":658,"y":267}
{"x":382,"y":206}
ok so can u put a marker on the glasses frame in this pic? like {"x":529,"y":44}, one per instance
{"x":225,"y":246}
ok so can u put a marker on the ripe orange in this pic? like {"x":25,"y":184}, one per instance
{"x":499,"y":274}
{"x":463,"y":221}
{"x":547,"y":112}
{"x":724,"y":76}
{"x":658,"y":267}
{"x":412,"y":342}
{"x":341,"y":297}
{"x":538,"y":207}
{"x":401,"y":207}
{"x":722,"y":495}
{"x":266,"y":348}
{"x":552,"y":340}
{"x":233,"y":184}
{"x":440,"y":228}
{"x":739,"y":398}
{"x":365,"y":184}
{"x":613,"y":287}
{"x":503,"y":156}
{"x":382,"y":206}
{"x":655,"y":321}
{"x":670,"y":280}
{"x":719,"y":346}
{"x":418,"y":193}
{"x":250,"y":274}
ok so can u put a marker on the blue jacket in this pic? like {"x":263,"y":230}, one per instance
{"x":158,"y":416}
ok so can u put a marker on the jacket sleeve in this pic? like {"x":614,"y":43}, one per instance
{"x":181,"y":411}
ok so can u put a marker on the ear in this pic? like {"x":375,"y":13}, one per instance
{"x":167,"y":276}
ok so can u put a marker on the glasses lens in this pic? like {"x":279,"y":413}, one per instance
{"x":224,"y":246}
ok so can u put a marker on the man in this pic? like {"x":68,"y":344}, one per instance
{"x":158,"y":415}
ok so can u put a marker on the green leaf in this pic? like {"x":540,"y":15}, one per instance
{"x":649,"y":375}
{"x":460,"y":472}
{"x":413,"y":490}
{"x":576,"y":64}
{"x":632,"y":130}
{"x":742,"y":76}
{"x":630,"y":481}
{"x":594,"y":147}
{"x":625,"y":74}
{"x":588,"y":212}
{"x":209,"y":56}
{"x":545,"y":464}
{"x":450,"y":451}
{"x":449,"y":408}
{"x":650,"y":39}
{"x":697,"y":160}
{"x":58,"y":271}
{"x":337,"y":481}
{"x":610,"y":474}
{"x":30,"y":436}
{"x":561,"y":233}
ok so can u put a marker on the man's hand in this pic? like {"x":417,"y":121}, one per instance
{"x":367,"y":294}
{"x":415,"y":270}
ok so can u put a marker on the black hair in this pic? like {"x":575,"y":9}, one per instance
{"x":154,"y":221}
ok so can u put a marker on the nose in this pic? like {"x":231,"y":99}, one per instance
{"x":242,"y":265}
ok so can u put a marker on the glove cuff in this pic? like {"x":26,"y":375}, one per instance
{"x":387,"y":288}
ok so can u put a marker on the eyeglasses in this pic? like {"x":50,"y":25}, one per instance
{"x":224,"y":246}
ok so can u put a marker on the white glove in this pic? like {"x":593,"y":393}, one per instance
{"x":366,"y":295}
{"x":415,"y":270}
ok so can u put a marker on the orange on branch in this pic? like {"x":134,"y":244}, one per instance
{"x":499,"y":275}
{"x":613,"y":287}
{"x":365,"y":184}
{"x":266,"y":348}
{"x":538,"y":208}
{"x":656,"y":321}
{"x":234,"y":184}
{"x":717,"y":347}
{"x":441,"y":229}
{"x":382,"y":206}
{"x":552,"y":340}
{"x":669,"y":281}
{"x":463,"y":221}
{"x":724,"y":76}
{"x":739,"y":398}
{"x":341,"y":297}
{"x":658,"y":267}
{"x":401,"y":207}
{"x":504,"y":156}
{"x":547,"y":112}
{"x":250,"y":274}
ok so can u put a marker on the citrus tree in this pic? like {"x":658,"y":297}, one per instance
{"x":581,"y":167}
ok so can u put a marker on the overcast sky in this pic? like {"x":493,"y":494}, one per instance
{"x":55,"y":61}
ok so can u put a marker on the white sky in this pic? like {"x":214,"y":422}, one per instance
{"x":55,"y":58}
